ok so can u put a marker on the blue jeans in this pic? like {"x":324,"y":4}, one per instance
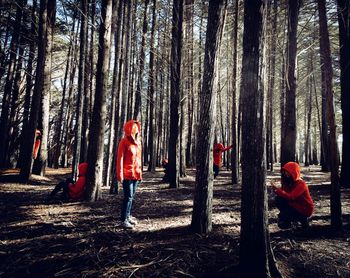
{"x":129,"y":189}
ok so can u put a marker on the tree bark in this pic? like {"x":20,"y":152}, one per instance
{"x":6,"y":99}
{"x":151,"y":88}
{"x":38,"y":88}
{"x":344,"y":38}
{"x":202,"y":203}
{"x":81,"y":89}
{"x":254,"y":237}
{"x":175,"y":75}
{"x":288,"y":148}
{"x":29,"y":82}
{"x":96,"y":135}
{"x":327,"y":73}
{"x":43,"y":125}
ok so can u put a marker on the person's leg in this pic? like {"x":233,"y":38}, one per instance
{"x":216,"y":170}
{"x":135,"y":184}
{"x":60,"y":186}
{"x":127,"y":201}
{"x":284,"y":217}
{"x":299,"y":217}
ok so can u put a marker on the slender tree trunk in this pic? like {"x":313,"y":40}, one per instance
{"x":327,"y":73}
{"x":289,"y":137}
{"x":81,"y":90}
{"x":254,"y":243}
{"x":234,"y":154}
{"x":175,"y":75}
{"x":6,"y":99}
{"x":344,"y":38}
{"x":38,"y":88}
{"x":202,"y":203}
{"x":29,"y":82}
{"x":110,"y":179}
{"x":137,"y":107}
{"x":96,"y":135}
{"x":41,"y":161}
{"x":152,"y":127}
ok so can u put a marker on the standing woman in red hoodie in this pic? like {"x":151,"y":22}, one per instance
{"x":217,"y":153}
{"x":293,"y":198}
{"x":129,"y":169}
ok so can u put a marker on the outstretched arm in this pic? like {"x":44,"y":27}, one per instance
{"x":227,"y":148}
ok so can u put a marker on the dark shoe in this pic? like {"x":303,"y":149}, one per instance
{"x":305,"y":223}
{"x":284,"y":224}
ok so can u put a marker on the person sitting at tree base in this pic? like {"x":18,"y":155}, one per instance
{"x":71,"y":190}
{"x":293,"y":199}
{"x":217,"y":153}
{"x":165,"y":165}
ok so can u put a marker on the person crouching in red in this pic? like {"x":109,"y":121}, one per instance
{"x":71,"y":190}
{"x":293,"y":198}
{"x":129,"y":169}
{"x":217,"y":153}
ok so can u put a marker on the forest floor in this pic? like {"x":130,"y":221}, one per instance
{"x":48,"y":238}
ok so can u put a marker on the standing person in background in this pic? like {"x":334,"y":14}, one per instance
{"x":129,"y":169}
{"x":217,"y":152}
{"x":36,"y":144}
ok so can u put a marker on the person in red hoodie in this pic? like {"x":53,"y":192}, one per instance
{"x":217,"y":153}
{"x":293,"y":198}
{"x":36,"y":143}
{"x":71,"y":190}
{"x":129,"y":169}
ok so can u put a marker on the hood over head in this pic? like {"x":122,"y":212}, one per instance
{"x":218,"y":146}
{"x":82,"y":168}
{"x":128,"y":127}
{"x":293,"y":169}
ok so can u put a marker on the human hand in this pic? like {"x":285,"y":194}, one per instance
{"x":273,"y":185}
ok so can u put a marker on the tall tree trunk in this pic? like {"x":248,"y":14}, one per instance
{"x":45,"y":11}
{"x":254,"y":237}
{"x":5,"y":109}
{"x":344,"y":38}
{"x":202,"y":203}
{"x":234,"y":152}
{"x":29,"y":82}
{"x":137,"y":107}
{"x":96,"y":135}
{"x":288,"y":148}
{"x":327,"y":73}
{"x":175,"y":75}
{"x":308,"y":114}
{"x":110,"y":179}
{"x":152,"y":126}
{"x":43,"y":125}
{"x":81,"y":89}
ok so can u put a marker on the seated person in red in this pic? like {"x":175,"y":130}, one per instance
{"x":71,"y":190}
{"x":217,"y":152}
{"x":165,"y":165}
{"x":293,"y":198}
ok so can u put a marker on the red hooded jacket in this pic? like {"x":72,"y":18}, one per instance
{"x":36,"y":144}
{"x":76,"y":190}
{"x":298,"y":196}
{"x":129,"y":164}
{"x":217,"y":152}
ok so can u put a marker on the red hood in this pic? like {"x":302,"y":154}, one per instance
{"x":218,"y":146}
{"x":128,"y":127}
{"x":293,"y":168}
{"x":83,"y":167}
